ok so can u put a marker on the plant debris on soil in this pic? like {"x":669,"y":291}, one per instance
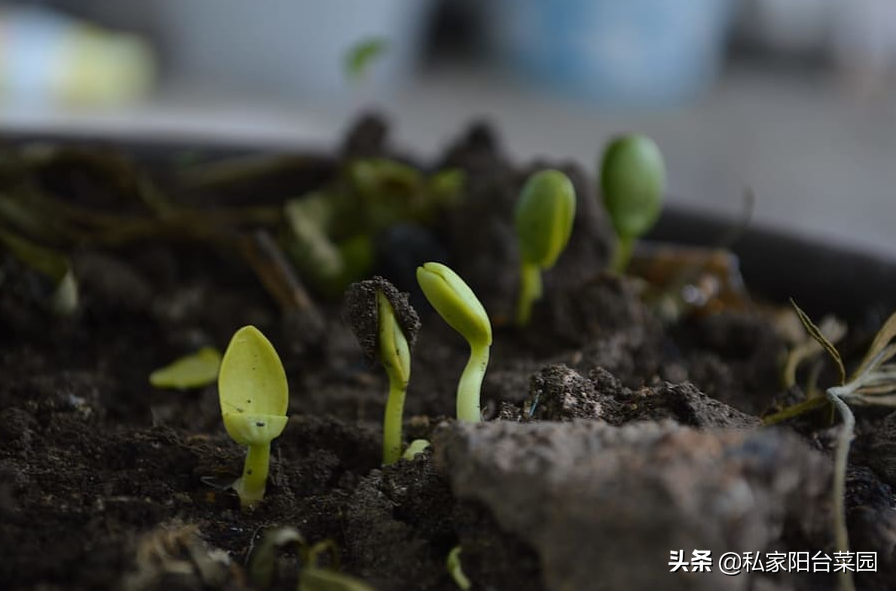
{"x":612,"y":436}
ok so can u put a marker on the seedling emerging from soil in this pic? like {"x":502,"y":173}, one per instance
{"x":455,"y":569}
{"x":386,"y":327}
{"x":263,"y":563}
{"x":460,"y":308}
{"x":632,"y":179}
{"x":332,"y":231}
{"x":254,"y":396}
{"x":193,"y":371}
{"x":417,"y":446}
{"x":873,"y":383}
{"x":543,"y":217}
{"x":48,"y":263}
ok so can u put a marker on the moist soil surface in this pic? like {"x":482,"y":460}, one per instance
{"x":109,"y":483}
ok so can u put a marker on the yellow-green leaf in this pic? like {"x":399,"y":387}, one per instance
{"x":252,"y":388}
{"x":394,"y":350}
{"x":253,"y":429}
{"x":192,"y":371}
{"x":417,"y":446}
{"x":455,"y":302}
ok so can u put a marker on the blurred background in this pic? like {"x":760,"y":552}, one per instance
{"x":794,"y":98}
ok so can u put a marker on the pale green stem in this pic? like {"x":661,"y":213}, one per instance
{"x":392,"y":422}
{"x":835,"y":396}
{"x":470,"y":384}
{"x":841,"y":456}
{"x":622,"y":254}
{"x":250,"y":487}
{"x":530,"y":290}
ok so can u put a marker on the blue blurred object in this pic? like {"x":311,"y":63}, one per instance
{"x":642,"y":51}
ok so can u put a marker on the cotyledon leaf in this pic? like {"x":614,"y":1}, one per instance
{"x":191,"y":371}
{"x":252,"y":388}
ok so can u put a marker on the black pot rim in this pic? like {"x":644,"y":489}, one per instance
{"x":823,"y":277}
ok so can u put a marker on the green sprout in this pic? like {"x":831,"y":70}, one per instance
{"x":262,"y":564}
{"x":49,"y":263}
{"x":193,"y":371}
{"x":455,"y":569}
{"x":632,"y":179}
{"x":543,"y":217}
{"x":331,"y":232}
{"x":460,"y":308}
{"x":417,"y":446}
{"x":385,"y":325}
{"x":254,"y":396}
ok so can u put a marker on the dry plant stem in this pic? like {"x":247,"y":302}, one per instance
{"x":468,"y":408}
{"x":841,"y":455}
{"x":530,"y":291}
{"x":795,"y":410}
{"x":275,"y":272}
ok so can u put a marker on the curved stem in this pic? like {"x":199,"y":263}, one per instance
{"x":470,"y":384}
{"x":250,"y":487}
{"x":622,"y":254}
{"x":530,"y":290}
{"x":392,"y":421}
{"x":841,"y":457}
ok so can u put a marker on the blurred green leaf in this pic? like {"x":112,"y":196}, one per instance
{"x":192,"y":371}
{"x":544,"y":217}
{"x":49,"y":263}
{"x":308,"y":244}
{"x":361,"y":55}
{"x":263,"y":559}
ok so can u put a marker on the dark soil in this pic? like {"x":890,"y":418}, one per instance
{"x":107,"y":483}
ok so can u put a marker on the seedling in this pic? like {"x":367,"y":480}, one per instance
{"x":331,"y":231}
{"x":262,"y":565}
{"x":385,"y":325}
{"x":193,"y":371}
{"x":455,"y":569}
{"x":460,"y":308}
{"x":632,"y":180}
{"x":417,"y":446}
{"x":49,"y":263}
{"x":254,"y":396}
{"x":873,"y":383}
{"x":544,"y":216}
